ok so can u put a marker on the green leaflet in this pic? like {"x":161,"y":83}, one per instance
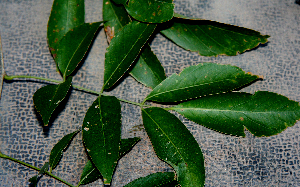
{"x":115,"y":17}
{"x":47,"y":98}
{"x":57,"y":150}
{"x":263,"y":114}
{"x":65,"y":15}
{"x":90,"y":172}
{"x":34,"y":180}
{"x":210,"y":38}
{"x":101,"y":134}
{"x":159,"y":179}
{"x":174,"y":144}
{"x":148,"y":69}
{"x":123,"y":50}
{"x":120,"y":1}
{"x":73,"y":47}
{"x":151,"y":11}
{"x":200,"y":80}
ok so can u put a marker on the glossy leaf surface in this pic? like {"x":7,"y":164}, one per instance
{"x":174,"y":144}
{"x":101,"y":133}
{"x":123,"y":50}
{"x":159,"y":179}
{"x":73,"y":46}
{"x":210,"y":38}
{"x":148,"y":69}
{"x":151,"y":11}
{"x":47,"y":98}
{"x":263,"y":114}
{"x":200,"y":80}
{"x":65,"y":15}
{"x":115,"y":17}
{"x":90,"y":172}
{"x":57,"y":150}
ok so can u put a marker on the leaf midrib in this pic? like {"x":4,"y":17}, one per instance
{"x":169,"y":140}
{"x":198,"y":85}
{"x":125,"y":56}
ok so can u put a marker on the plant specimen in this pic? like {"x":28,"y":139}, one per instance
{"x":204,"y":93}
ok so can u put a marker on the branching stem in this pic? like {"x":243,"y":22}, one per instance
{"x":6,"y":77}
{"x":35,"y":168}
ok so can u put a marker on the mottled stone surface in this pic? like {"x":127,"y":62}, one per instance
{"x":229,"y":161}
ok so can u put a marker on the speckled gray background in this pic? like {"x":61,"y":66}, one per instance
{"x":229,"y":161}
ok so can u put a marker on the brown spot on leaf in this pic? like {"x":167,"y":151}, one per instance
{"x":241,"y":118}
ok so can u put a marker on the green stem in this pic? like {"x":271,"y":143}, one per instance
{"x":35,"y":168}
{"x":74,"y":86}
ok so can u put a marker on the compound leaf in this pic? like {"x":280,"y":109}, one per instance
{"x":200,"y":80}
{"x":65,"y":15}
{"x":47,"y":98}
{"x":151,"y":11}
{"x":115,"y":17}
{"x":102,"y":134}
{"x":90,"y":173}
{"x":57,"y":150}
{"x":73,"y":46}
{"x":210,"y":38}
{"x":165,"y":179}
{"x":263,"y":114}
{"x":148,"y":69}
{"x":174,"y":144}
{"x":123,"y":50}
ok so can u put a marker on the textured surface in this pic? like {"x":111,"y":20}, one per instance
{"x":229,"y":161}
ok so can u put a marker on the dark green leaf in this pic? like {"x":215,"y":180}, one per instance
{"x":159,"y":179}
{"x":151,"y":11}
{"x":115,"y":17}
{"x":123,"y":50}
{"x":34,"y":180}
{"x":127,"y":144}
{"x":263,"y":114}
{"x":90,"y":173}
{"x":200,"y":80}
{"x":148,"y":69}
{"x":210,"y":38}
{"x":57,"y":150}
{"x":102,"y":134}
{"x":174,"y":144}
{"x":73,"y":46}
{"x":47,"y":98}
{"x":65,"y":15}
{"x":120,"y":1}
